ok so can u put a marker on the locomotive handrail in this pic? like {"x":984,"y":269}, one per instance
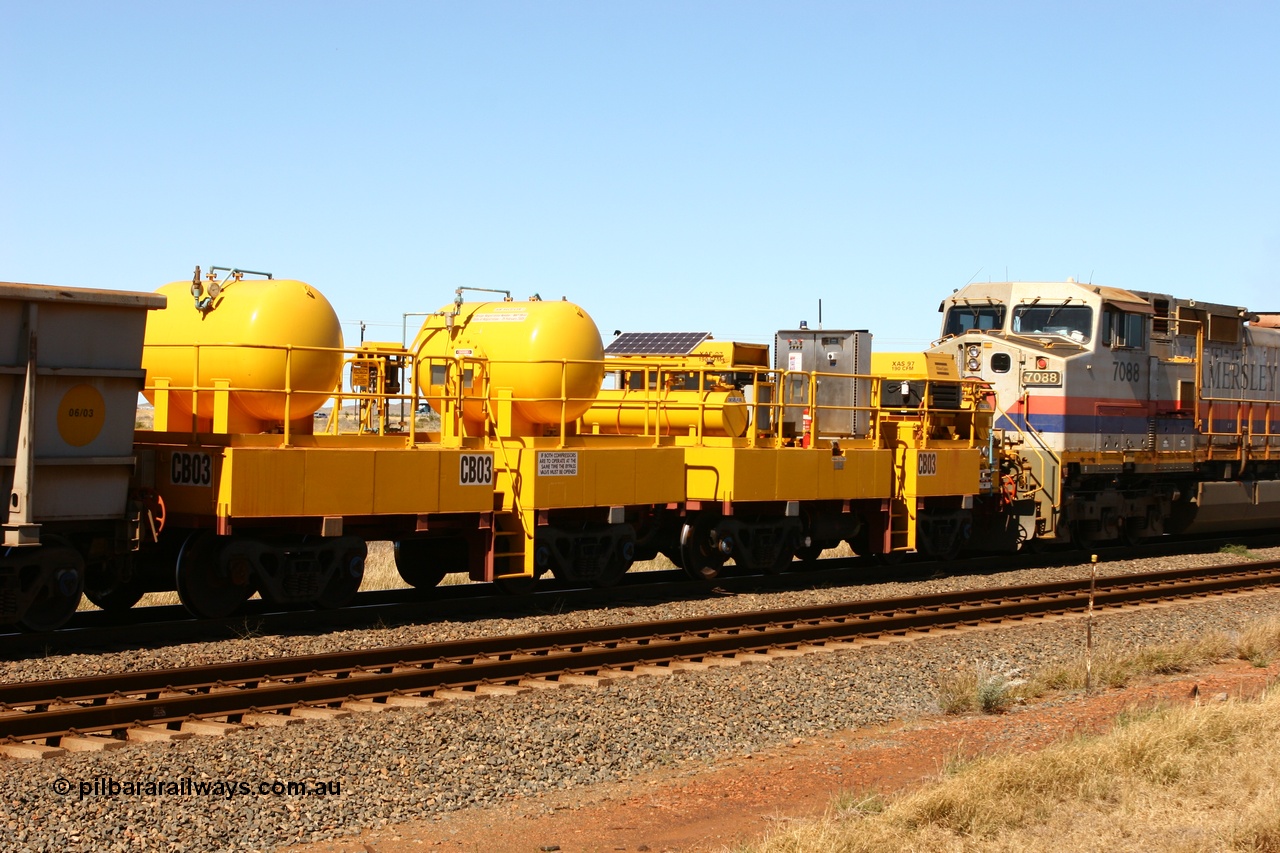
{"x":1043,"y":483}
{"x":1244,"y":419}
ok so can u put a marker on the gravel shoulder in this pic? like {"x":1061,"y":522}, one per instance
{"x":739,"y":800}
{"x":535,"y":751}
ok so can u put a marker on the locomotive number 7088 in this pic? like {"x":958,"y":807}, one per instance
{"x":1128,"y":371}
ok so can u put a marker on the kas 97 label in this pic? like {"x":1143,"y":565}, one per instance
{"x":475,"y":469}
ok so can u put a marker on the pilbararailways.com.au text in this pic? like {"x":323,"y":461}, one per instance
{"x":110,"y":788}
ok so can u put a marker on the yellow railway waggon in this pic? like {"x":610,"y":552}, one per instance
{"x":505,"y":441}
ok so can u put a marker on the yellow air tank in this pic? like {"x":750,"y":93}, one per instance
{"x":239,"y":335}
{"x":547,"y":354}
{"x":665,"y":411}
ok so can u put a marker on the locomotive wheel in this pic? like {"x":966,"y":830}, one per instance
{"x":699,"y":557}
{"x":344,"y":584}
{"x":61,"y":585}
{"x":423,"y":563}
{"x":1130,"y":533}
{"x":206,"y":587}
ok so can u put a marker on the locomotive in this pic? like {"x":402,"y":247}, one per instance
{"x":1120,"y":414}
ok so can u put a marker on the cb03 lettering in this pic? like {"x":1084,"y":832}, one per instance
{"x":191,"y":469}
{"x":475,"y":470}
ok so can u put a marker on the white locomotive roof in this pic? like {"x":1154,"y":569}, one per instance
{"x":1005,"y":291}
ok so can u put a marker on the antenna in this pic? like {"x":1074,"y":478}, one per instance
{"x":972,"y":277}
{"x":819,"y":314}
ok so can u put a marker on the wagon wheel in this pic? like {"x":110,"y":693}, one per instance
{"x":348,"y":574}
{"x":58,"y":588}
{"x":699,"y":556}
{"x":783,"y":562}
{"x":619,"y":564}
{"x":423,"y":563}
{"x":208,"y":586}
{"x":809,"y":553}
{"x":109,"y":592}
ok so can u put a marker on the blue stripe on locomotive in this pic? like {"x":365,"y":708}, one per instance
{"x":1105,"y":424}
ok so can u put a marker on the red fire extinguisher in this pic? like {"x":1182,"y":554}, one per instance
{"x":806,"y":421}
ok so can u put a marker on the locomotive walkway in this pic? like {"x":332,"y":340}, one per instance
{"x":164,"y":704}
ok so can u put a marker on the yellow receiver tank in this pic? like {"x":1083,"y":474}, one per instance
{"x":665,"y":411}
{"x":547,"y":353}
{"x":258,"y":318}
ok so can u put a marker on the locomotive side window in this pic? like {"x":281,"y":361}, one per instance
{"x":1123,"y":330}
{"x":1071,"y":321}
{"x":963,"y":318}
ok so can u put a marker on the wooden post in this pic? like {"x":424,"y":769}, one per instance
{"x":1088,"y":622}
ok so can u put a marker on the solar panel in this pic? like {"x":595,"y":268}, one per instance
{"x":655,"y":343}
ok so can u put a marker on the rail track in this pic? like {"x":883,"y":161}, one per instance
{"x":153,"y":626}
{"x":159,"y":704}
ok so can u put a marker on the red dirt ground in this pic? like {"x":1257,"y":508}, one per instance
{"x":741,"y":798}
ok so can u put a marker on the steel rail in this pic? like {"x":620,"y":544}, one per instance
{"x":221,"y":673}
{"x":172,"y":696}
{"x":150,"y":626}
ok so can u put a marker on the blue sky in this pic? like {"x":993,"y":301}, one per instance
{"x":715,"y":166}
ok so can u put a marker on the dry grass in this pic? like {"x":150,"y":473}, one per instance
{"x":991,"y":688}
{"x":1196,"y":779}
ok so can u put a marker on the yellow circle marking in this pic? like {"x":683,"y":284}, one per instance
{"x":81,"y":415}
